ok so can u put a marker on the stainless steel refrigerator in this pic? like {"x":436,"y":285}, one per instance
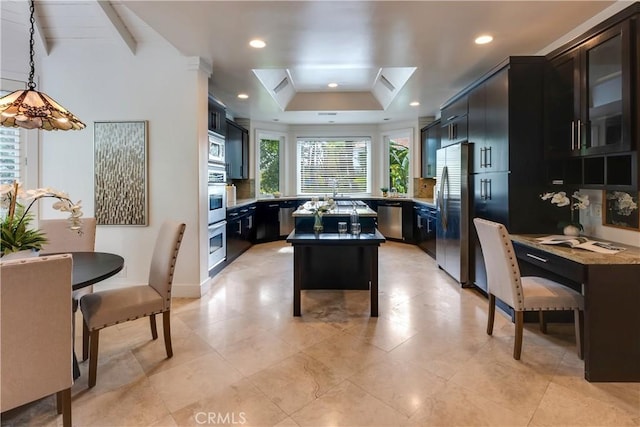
{"x":452,"y":201}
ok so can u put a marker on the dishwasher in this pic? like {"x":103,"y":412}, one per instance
{"x":285,"y":215}
{"x":390,"y":219}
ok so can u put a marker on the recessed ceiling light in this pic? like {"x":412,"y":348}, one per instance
{"x":243,"y":96}
{"x":333,"y":85}
{"x":257,"y":43}
{"x":414,"y":103}
{"x":484,"y":39}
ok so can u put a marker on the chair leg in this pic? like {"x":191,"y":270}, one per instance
{"x":517,"y":345}
{"x":579,"y":323}
{"x":154,"y":328}
{"x":63,"y":403}
{"x":85,"y":341}
{"x":543,"y":323}
{"x":166,"y":324}
{"x":492,"y":314}
{"x":93,"y":357}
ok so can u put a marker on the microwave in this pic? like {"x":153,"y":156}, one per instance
{"x":216,"y":148}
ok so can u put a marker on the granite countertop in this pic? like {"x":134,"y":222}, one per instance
{"x":631,"y":254}
{"x":338,"y":210}
{"x":243,"y":202}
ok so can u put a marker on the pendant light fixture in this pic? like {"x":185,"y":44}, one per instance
{"x":31,"y":109}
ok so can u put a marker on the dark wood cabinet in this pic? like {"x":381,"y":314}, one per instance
{"x":425,"y":228}
{"x":217,"y":117}
{"x":430,"y":143}
{"x":268,"y":221}
{"x":240,"y":230}
{"x":505,"y":128}
{"x":590,"y":96}
{"x":453,"y":122}
{"x":592,"y":99}
{"x":237,"y":151}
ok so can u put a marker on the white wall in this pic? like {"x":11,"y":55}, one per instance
{"x":108,"y":83}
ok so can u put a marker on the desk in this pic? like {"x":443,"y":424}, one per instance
{"x":335,"y":261}
{"x":611,"y":289}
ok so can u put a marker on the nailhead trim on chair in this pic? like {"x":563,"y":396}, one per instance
{"x":127,"y":320}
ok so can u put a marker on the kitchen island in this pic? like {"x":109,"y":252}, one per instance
{"x":340,"y":210}
{"x":335,"y":261}
{"x":611,"y":289}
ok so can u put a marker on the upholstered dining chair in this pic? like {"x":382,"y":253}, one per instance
{"x":528,"y":293}
{"x":35,"y":344}
{"x":61,"y":239}
{"x":110,"y":307}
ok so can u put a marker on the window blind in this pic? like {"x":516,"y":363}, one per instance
{"x":9,"y":153}
{"x":324,"y":164}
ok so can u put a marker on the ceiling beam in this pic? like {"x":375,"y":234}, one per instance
{"x":40,"y":32}
{"x":117,"y":23}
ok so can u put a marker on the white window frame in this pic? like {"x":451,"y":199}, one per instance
{"x":386,"y":138}
{"x":340,"y":189}
{"x":265,"y":134}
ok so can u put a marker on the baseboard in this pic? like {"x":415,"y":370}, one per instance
{"x":189,"y":290}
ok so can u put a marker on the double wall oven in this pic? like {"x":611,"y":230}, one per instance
{"x":217,"y":201}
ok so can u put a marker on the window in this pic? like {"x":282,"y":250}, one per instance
{"x":9,"y":153}
{"x":327,"y":165}
{"x":399,"y":162}
{"x":269,"y":172}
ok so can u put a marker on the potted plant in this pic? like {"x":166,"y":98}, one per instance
{"x":15,"y":231}
{"x":385,"y":191}
{"x":560,"y":199}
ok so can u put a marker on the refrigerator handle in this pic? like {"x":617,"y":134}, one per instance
{"x":441,"y":201}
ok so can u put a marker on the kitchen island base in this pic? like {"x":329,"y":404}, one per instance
{"x":335,"y":261}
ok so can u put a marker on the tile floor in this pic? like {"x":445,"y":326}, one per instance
{"x":241,"y":358}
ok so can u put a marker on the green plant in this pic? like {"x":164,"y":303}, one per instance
{"x":399,"y":167}
{"x":16,"y":235}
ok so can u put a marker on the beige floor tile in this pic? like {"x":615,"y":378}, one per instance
{"x":296,"y":381}
{"x":406,"y":390}
{"x":345,"y":354}
{"x":257,"y":352}
{"x":348,"y":405}
{"x":383,"y":333}
{"x":456,"y":406}
{"x":240,"y":403}
{"x":192,"y":381}
{"x":564,"y":406}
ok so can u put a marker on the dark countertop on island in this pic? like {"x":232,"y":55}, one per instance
{"x":335,"y":238}
{"x":244,"y":202}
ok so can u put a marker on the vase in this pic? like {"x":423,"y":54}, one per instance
{"x":26,"y":253}
{"x":317,"y":225}
{"x":571,"y":230}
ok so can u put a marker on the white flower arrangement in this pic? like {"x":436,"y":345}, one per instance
{"x":560,"y":199}
{"x":16,"y":234}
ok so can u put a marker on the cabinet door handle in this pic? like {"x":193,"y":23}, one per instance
{"x":537,"y":258}
{"x":579,"y":141}
{"x":481,"y":158}
{"x":250,"y":226}
{"x":488,"y":162}
{"x":452,"y":117}
{"x":233,"y":214}
{"x":482,"y":189}
{"x":239,"y":227}
{"x":418,"y":221}
{"x":488,"y":190}
{"x":274,"y":206}
{"x":573,"y":135}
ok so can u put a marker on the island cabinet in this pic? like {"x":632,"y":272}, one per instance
{"x":430,"y":143}
{"x":592,"y":98}
{"x":506,"y":133}
{"x":268,"y":221}
{"x":237,"y":151}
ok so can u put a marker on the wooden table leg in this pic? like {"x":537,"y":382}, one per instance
{"x":374,"y":280}
{"x":297,"y":278}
